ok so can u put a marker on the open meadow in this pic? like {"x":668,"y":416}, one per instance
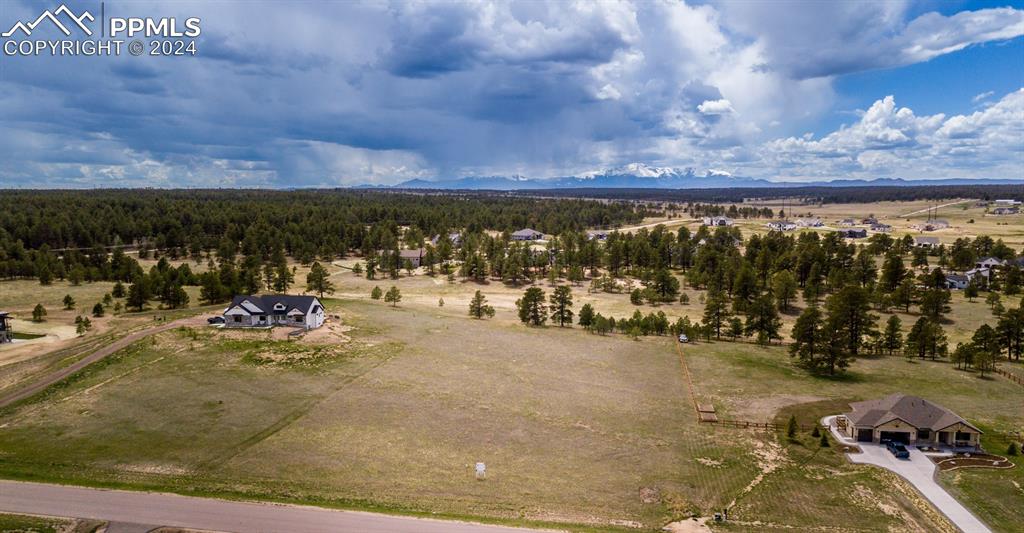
{"x":391,"y":408}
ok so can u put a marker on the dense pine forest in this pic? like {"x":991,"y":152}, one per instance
{"x":245,"y":240}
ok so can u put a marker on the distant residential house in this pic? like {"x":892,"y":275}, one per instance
{"x":881,"y":228}
{"x":979,"y":272}
{"x":869,"y":221}
{"x":415,"y":257}
{"x":989,"y":262}
{"x":1006,"y":211}
{"x":808,"y":222}
{"x":1006,"y":202}
{"x":781,"y":225}
{"x":908,"y":420}
{"x":599,"y":235}
{"x":853,"y":233}
{"x":926,"y":242}
{"x":1019,"y":261}
{"x":847,"y":222}
{"x":527,"y":234}
{"x":6,"y":334}
{"x":957,"y":281}
{"x":455,"y":238}
{"x":717,"y":221}
{"x":251,"y":311}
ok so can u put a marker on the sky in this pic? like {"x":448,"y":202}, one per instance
{"x":328,"y":94}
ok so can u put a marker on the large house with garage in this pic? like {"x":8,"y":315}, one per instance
{"x":251,"y":311}
{"x":909,"y":420}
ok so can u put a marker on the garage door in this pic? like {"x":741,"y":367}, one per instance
{"x":896,"y":436}
{"x":865,"y":435}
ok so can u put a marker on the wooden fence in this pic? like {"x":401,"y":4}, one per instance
{"x":747,"y":424}
{"x":1010,"y":376}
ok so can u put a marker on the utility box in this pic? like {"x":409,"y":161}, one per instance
{"x":481,"y":471}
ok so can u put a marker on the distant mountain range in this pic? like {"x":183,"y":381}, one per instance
{"x":641,"y":176}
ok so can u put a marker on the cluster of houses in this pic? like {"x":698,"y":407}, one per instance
{"x":982,"y":268}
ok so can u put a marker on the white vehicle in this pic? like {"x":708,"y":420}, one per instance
{"x":683,"y":338}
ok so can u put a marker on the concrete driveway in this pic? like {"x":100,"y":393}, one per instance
{"x":920,"y":471}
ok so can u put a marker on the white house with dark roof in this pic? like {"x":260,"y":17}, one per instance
{"x":926,"y":242}
{"x":251,"y":311}
{"x":989,"y":262}
{"x":909,"y":420}
{"x":957,"y":281}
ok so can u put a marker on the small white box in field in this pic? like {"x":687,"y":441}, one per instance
{"x":481,"y":471}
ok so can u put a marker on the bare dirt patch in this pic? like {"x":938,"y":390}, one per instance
{"x":766,"y":407}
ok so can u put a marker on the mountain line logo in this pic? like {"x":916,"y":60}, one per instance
{"x":53,"y":17}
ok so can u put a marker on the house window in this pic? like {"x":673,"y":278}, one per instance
{"x":962,"y":436}
{"x":923,"y":434}
{"x":298,"y":318}
{"x":238,"y":318}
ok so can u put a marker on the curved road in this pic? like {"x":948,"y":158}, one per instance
{"x":145,"y":509}
{"x":119,"y":344}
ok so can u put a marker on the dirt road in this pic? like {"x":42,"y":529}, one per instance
{"x":925,"y":210}
{"x":119,"y":344}
{"x":157,"y":509}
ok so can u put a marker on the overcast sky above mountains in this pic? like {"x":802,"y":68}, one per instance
{"x":338,"y":93}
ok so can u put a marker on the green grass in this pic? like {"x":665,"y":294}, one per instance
{"x":32,"y":524}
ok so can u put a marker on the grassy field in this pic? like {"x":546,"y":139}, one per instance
{"x":392,"y":415}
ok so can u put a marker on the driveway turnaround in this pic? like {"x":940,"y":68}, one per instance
{"x":129,"y":509}
{"x":919,"y":470}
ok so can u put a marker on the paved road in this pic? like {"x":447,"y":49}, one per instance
{"x":119,"y":344}
{"x":919,"y":470}
{"x":129,"y":509}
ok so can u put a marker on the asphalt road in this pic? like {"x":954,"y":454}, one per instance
{"x":119,"y":344}
{"x":157,"y":509}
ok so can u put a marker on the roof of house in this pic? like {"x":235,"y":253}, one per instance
{"x":990,"y":258}
{"x":409,"y":254}
{"x":957,"y":277}
{"x":526,"y":232}
{"x":264,"y":304}
{"x":915,"y":411}
{"x":926,"y":240}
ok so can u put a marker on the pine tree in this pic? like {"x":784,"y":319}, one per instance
{"x":561,"y":305}
{"x":808,"y":339}
{"x":393,"y":296}
{"x":97,"y":310}
{"x":318,"y":280}
{"x":376,"y":293}
{"x":586,"y":318}
{"x":784,"y":288}
{"x":763,"y":319}
{"x":138,"y":293}
{"x":791,"y":427}
{"x":893,"y":336}
{"x":69,"y":302}
{"x":531,"y":307}
{"x":478,"y":307}
{"x":38,"y":313}
{"x":716,"y":311}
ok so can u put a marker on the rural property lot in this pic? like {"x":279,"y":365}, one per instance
{"x":574,"y":428}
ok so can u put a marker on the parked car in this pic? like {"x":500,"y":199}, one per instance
{"x":897,"y":449}
{"x":683,"y":338}
{"x":215,"y":320}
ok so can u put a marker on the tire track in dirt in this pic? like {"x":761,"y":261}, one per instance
{"x":120,"y":344}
